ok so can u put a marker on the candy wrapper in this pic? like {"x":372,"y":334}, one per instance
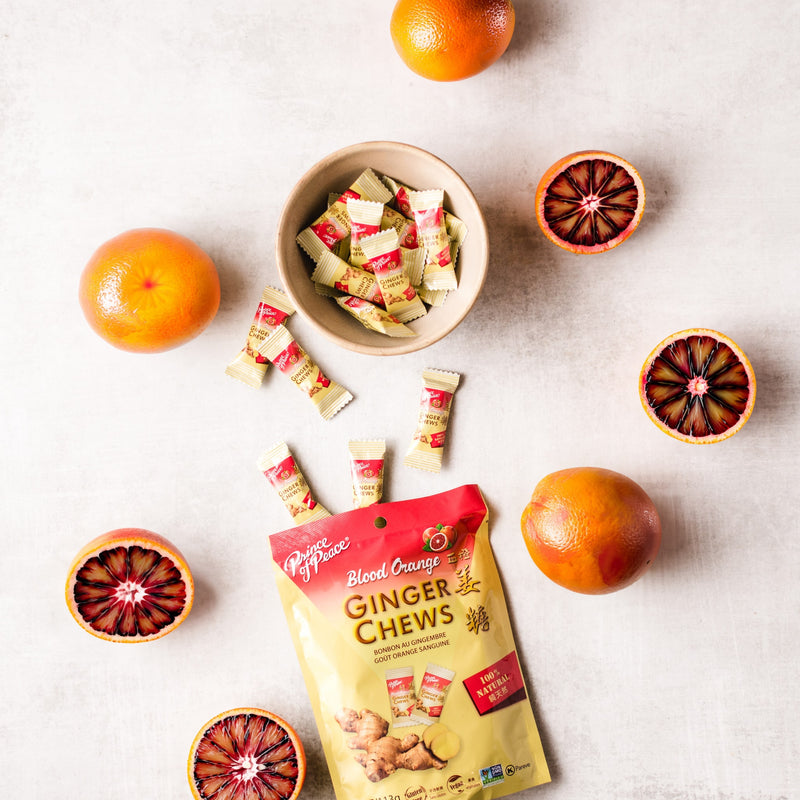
{"x":394,"y":590}
{"x":427,"y":444}
{"x":333,"y":225}
{"x":338,"y":274}
{"x":281,"y":470}
{"x":385,"y":258}
{"x":432,"y":232}
{"x":250,"y":366}
{"x":367,"y":459}
{"x":282,"y":349}
{"x":374,"y":317}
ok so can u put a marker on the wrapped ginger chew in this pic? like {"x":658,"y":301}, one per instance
{"x":250,"y":366}
{"x":374,"y":317}
{"x":435,"y":402}
{"x":283,"y":350}
{"x":333,"y":225}
{"x":397,"y":591}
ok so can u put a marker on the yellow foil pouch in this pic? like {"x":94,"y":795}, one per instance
{"x":390,"y":590}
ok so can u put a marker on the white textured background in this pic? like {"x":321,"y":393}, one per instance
{"x":200,"y":117}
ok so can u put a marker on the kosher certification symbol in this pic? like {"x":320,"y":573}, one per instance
{"x":510,"y":770}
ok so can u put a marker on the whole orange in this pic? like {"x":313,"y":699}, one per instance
{"x":591,"y":530}
{"x":149,"y":290}
{"x":448,"y":40}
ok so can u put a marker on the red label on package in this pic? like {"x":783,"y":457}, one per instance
{"x":497,"y":686}
{"x":287,"y":359}
{"x":269,"y":317}
{"x":281,"y":473}
{"x":367,"y":468}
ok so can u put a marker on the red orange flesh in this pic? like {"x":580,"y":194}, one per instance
{"x":246,"y":754}
{"x":129,"y":585}
{"x":589,"y":202}
{"x":698,"y":386}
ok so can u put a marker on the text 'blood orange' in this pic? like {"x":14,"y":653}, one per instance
{"x":246,"y":754}
{"x":591,"y":530}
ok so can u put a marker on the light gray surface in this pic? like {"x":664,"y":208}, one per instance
{"x":200,"y":117}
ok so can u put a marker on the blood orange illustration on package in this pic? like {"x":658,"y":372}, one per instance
{"x":394,"y":596}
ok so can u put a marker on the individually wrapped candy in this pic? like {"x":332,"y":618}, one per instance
{"x":427,"y":444}
{"x":333,"y":225}
{"x":406,"y":228}
{"x":250,"y":366}
{"x":335,"y":273}
{"x":433,"y":690}
{"x":432,"y":232}
{"x":400,"y":193}
{"x":367,"y":460}
{"x":288,"y":356}
{"x":399,"y":297}
{"x":281,"y":470}
{"x":365,"y":219}
{"x":374,"y":317}
{"x":402,"y":698}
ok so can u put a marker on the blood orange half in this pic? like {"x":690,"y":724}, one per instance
{"x":589,"y":202}
{"x":698,"y":386}
{"x":129,"y":585}
{"x":246,"y":754}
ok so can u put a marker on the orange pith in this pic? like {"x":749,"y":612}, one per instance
{"x":448,"y":40}
{"x":589,"y":202}
{"x":148,"y":290}
{"x":591,"y":530}
{"x":129,"y":585}
{"x":698,"y":386}
{"x":246,"y":754}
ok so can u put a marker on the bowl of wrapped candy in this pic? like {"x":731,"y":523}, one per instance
{"x":382,"y":247}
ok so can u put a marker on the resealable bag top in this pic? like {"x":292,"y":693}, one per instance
{"x":400,"y":624}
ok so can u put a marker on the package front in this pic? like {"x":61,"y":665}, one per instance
{"x":394,"y":596}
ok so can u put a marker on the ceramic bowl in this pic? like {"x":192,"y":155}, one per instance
{"x":410,"y":166}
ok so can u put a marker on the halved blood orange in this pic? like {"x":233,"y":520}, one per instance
{"x":246,"y":754}
{"x":129,"y":585}
{"x":590,"y":201}
{"x":698,"y":386}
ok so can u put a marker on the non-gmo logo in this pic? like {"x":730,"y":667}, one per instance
{"x":492,"y":775}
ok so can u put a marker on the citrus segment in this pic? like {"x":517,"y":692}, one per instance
{"x":148,"y":290}
{"x":129,"y":585}
{"x":591,"y":530}
{"x":589,"y":202}
{"x":698,"y":386}
{"x":246,"y":754}
{"x":449,"y":40}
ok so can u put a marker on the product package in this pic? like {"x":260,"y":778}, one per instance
{"x":401,"y":629}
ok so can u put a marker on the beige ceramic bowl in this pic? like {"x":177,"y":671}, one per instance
{"x":412,"y":167}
